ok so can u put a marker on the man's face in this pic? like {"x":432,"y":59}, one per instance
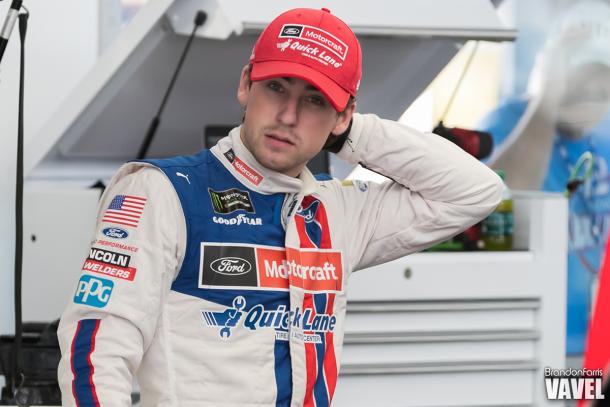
{"x":287,"y":121}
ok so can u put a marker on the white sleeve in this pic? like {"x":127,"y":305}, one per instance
{"x":437,"y":190}
{"x":135,"y":254}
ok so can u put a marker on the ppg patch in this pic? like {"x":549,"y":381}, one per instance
{"x":93,"y":291}
{"x":231,"y":200}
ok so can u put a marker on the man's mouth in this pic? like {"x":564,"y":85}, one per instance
{"x":279,"y":138}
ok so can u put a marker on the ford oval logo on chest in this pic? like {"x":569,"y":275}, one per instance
{"x":231,"y":266}
{"x":115,"y":233}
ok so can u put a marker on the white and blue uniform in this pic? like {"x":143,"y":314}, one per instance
{"x":222,"y":283}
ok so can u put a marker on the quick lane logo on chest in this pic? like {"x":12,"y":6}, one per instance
{"x":256,"y":267}
{"x":230,"y":200}
{"x":281,"y":319}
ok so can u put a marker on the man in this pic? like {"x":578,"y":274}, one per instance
{"x":221,"y":278}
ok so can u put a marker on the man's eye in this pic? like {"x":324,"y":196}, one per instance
{"x":317,"y":100}
{"x":274,"y":86}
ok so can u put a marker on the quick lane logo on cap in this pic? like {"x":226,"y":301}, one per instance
{"x":316,"y":36}
{"x":230,"y":200}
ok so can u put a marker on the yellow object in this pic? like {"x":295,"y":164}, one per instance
{"x":497,"y":229}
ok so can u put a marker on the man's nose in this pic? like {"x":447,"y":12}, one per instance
{"x":289,"y":112}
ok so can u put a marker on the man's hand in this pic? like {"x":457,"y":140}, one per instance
{"x":335,"y":143}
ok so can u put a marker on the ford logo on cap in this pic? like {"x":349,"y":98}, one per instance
{"x":231,"y":266}
{"x":115,"y":233}
{"x":291,"y":30}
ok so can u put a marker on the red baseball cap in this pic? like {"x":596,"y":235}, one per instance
{"x":312,"y":45}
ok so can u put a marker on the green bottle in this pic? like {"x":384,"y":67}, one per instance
{"x":497,"y":229}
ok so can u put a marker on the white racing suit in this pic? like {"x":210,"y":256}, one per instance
{"x":222,"y":283}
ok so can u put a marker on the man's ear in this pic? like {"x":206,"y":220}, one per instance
{"x":344,"y":119}
{"x":243,"y":90}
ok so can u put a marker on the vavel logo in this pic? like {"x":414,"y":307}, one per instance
{"x":231,"y":266}
{"x":573,"y":384}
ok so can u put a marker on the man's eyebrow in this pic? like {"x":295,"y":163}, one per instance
{"x":291,"y":81}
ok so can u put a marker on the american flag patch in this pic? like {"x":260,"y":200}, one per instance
{"x":125,"y":210}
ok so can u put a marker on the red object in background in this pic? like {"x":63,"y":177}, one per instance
{"x":479,"y":144}
{"x":597,"y":350}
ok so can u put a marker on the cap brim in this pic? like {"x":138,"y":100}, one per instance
{"x":336,"y":95}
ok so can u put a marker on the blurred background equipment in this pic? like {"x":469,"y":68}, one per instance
{"x":40,"y":357}
{"x":9,"y":23}
{"x":476,"y":143}
{"x":497,"y":228}
{"x":479,"y":144}
{"x":558,"y":110}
